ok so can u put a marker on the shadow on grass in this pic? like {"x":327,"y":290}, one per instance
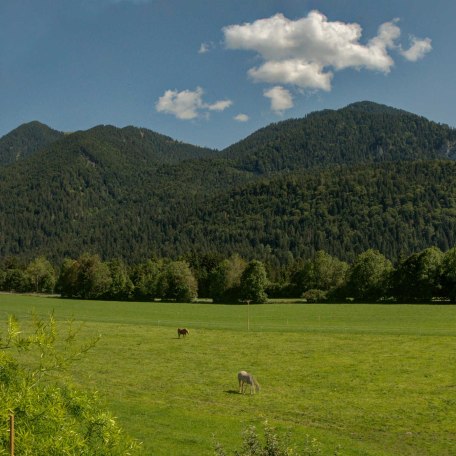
{"x":232,"y":392}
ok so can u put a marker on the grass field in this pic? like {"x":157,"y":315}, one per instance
{"x":374,"y":379}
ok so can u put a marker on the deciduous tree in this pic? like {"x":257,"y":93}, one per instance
{"x":253,"y":283}
{"x":42,"y":275}
{"x":178,"y":283}
{"x":225,"y":280}
{"x":369,"y":276}
{"x":417,"y":277}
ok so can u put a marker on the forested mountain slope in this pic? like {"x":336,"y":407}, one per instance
{"x":395,"y":207}
{"x":26,"y":140}
{"x":360,"y":133}
{"x":343,"y":181}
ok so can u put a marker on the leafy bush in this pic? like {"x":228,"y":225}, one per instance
{"x":51,"y":416}
{"x":315,"y":295}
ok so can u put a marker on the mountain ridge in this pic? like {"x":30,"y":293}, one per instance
{"x":298,"y":186}
{"x":384,"y":131}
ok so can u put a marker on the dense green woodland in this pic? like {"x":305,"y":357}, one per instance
{"x":364,"y":177}
{"x":425,"y":276}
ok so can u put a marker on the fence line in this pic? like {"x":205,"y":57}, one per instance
{"x":253,"y":325}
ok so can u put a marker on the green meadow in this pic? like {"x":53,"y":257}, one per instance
{"x":366,"y":379}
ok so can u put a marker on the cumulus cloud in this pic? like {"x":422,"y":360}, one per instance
{"x":241,"y":117}
{"x":418,"y":49}
{"x":187,"y":104}
{"x":305,"y":52}
{"x":184,"y":105}
{"x":281,"y":99}
{"x":294,"y":72}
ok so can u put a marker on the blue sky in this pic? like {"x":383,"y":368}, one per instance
{"x":210,"y":72}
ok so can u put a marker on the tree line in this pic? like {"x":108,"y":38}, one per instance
{"x":425,"y":276}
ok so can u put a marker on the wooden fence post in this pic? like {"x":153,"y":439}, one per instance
{"x":12,"y":435}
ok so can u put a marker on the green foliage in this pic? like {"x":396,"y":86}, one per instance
{"x":87,"y":277}
{"x":42,"y":275}
{"x":359,"y":133}
{"x":426,"y":276}
{"x":448,"y":274}
{"x":366,"y":176}
{"x":369,"y":276}
{"x":315,"y":295}
{"x":145,"y":278}
{"x":17,"y":280}
{"x":203,"y":265}
{"x":177,"y":282}
{"x":121,"y":287}
{"x":51,"y":417}
{"x":225,"y":280}
{"x":26,"y":140}
{"x":323,"y":272}
{"x":271,"y":444}
{"x":417,"y":278}
{"x":253,"y":283}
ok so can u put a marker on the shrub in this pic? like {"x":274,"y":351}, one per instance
{"x":271,"y":444}
{"x":51,"y":416}
{"x":315,"y":295}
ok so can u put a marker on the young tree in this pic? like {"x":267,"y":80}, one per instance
{"x":42,"y":275}
{"x":253,"y":283}
{"x":51,"y":417}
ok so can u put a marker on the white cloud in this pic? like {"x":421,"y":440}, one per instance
{"x":242,"y":118}
{"x":418,"y":49}
{"x":184,"y":105}
{"x":219,"y":105}
{"x":281,"y":99}
{"x":305,"y":53}
{"x":294,"y":72}
{"x":187,"y":104}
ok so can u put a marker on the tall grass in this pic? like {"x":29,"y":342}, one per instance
{"x":377,"y":380}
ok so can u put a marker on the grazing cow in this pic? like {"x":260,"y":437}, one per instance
{"x":182,"y":332}
{"x":244,"y":379}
